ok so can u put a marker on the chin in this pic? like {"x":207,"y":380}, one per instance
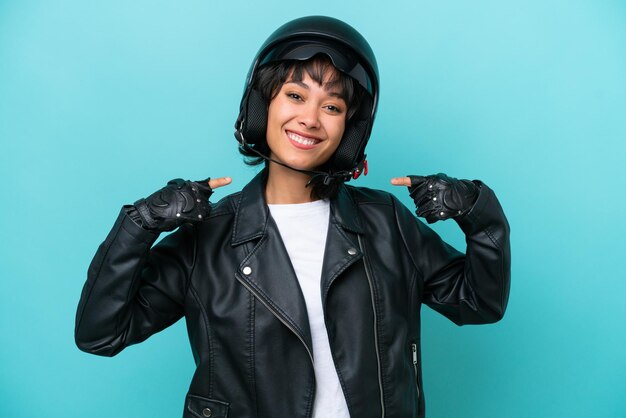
{"x":300,"y":163}
{"x":302,"y":166}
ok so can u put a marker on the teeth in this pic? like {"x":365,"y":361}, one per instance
{"x":302,"y":140}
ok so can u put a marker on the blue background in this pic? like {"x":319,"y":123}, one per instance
{"x":102,"y":102}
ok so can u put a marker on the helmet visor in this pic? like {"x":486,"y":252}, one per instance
{"x":342,"y":58}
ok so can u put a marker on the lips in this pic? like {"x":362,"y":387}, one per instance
{"x":302,"y":141}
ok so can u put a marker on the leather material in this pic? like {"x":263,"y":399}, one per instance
{"x":178,"y":202}
{"x":200,"y":407}
{"x":231,"y":278}
{"x":439,"y":197}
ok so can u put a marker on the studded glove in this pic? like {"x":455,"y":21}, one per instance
{"x":179,"y":202}
{"x":439,"y":197}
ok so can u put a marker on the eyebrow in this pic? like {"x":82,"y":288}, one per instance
{"x":306,"y":86}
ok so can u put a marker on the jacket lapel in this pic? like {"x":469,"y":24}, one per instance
{"x":342,"y":249}
{"x":266,"y":270}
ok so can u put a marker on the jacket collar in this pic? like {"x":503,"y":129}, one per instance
{"x":251,"y":217}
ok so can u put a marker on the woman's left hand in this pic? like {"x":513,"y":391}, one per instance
{"x":439,"y":197}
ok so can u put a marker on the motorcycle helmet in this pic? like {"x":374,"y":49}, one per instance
{"x":302,"y":39}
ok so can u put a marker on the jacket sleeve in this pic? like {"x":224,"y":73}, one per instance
{"x":471,"y":288}
{"x":133,"y":291}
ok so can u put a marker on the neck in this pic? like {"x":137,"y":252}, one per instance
{"x":285,"y":186}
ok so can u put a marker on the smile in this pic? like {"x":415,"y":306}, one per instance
{"x":302,"y":142}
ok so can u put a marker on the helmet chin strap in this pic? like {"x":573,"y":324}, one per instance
{"x":326,"y":177}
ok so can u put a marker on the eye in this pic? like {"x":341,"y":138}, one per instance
{"x":334,"y":109}
{"x":294,"y":96}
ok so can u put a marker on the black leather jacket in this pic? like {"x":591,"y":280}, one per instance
{"x":231,"y":278}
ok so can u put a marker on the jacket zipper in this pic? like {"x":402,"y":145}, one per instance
{"x":279,"y":318}
{"x":369,"y":280}
{"x":414,"y":351}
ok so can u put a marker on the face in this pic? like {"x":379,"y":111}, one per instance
{"x":305,"y":123}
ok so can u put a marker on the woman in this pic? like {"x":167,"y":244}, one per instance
{"x":301,"y":295}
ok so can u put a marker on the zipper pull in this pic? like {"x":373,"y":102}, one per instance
{"x":414,"y":349}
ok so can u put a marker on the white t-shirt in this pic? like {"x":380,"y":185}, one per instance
{"x":303,"y":228}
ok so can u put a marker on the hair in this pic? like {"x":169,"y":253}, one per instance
{"x":269,"y":80}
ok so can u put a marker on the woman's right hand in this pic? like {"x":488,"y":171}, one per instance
{"x":179,"y":202}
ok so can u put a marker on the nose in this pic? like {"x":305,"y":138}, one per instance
{"x":309,"y":116}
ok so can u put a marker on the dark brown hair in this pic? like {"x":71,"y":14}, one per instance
{"x":270,"y":79}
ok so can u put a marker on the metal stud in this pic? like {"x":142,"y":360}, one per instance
{"x":200,"y":216}
{"x":247,"y":270}
{"x":198,"y":200}
{"x":206,"y":412}
{"x":441,"y":213}
{"x":178,"y":215}
{"x":351,"y":251}
{"x":434,"y":198}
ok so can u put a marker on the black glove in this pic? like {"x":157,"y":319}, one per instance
{"x":179,"y":202}
{"x":439,"y":197}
